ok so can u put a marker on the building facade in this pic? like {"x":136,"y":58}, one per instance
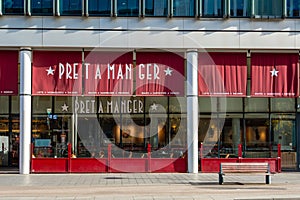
{"x":148,"y":86}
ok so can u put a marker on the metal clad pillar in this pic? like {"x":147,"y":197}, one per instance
{"x":25,"y":110}
{"x":192,"y":110}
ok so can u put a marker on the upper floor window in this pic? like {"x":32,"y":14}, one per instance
{"x":100,"y":8}
{"x":128,"y":8}
{"x":213,"y":8}
{"x":42,"y":7}
{"x":268,"y":8}
{"x":184,"y":8}
{"x":70,"y":7}
{"x":13,"y":7}
{"x":293,"y":8}
{"x":156,"y":8}
{"x":240,"y":8}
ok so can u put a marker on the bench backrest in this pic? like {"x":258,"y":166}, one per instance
{"x":244,"y":168}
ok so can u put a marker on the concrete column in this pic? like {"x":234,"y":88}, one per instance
{"x":236,"y":134}
{"x":25,"y":110}
{"x":192,"y":110}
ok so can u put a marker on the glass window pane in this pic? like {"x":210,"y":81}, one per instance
{"x":177,"y":105}
{"x":212,"y":8}
{"x":282,"y":105}
{"x":268,"y":8}
{"x":13,"y":7}
{"x":15,"y":104}
{"x":71,"y":7}
{"x":50,"y":136}
{"x":156,"y":104}
{"x":128,"y":8}
{"x":156,"y":7}
{"x":99,"y":8}
{"x":257,"y":136}
{"x":293,"y":8}
{"x":232,"y":104}
{"x":65,"y":104}
{"x":177,"y":130}
{"x":240,"y":8}
{"x":208,"y":104}
{"x":42,"y":7}
{"x":184,"y":8}
{"x":42,"y":104}
{"x":256,"y":105}
{"x":4,"y":105}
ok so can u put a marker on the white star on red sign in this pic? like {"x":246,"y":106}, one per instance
{"x":168,"y":72}
{"x":274,"y":72}
{"x":50,"y":71}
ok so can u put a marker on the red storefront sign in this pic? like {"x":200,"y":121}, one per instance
{"x":108,"y":73}
{"x":222,"y":74}
{"x":57,"y":73}
{"x":274,"y":75}
{"x":9,"y":73}
{"x":159,"y":74}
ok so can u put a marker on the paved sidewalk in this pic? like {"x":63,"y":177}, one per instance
{"x":136,"y":186}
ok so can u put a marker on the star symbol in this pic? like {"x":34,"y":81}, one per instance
{"x":168,"y":72}
{"x":153,"y":106}
{"x":50,"y":71}
{"x":64,"y":107}
{"x":274,"y":72}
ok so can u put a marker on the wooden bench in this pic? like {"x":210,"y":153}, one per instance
{"x":244,"y":168}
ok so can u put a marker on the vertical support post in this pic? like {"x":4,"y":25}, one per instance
{"x":240,"y":150}
{"x":192,"y":110}
{"x":279,"y":157}
{"x":69,"y":157}
{"x":25,"y":108}
{"x":108,"y":157}
{"x":149,"y":157}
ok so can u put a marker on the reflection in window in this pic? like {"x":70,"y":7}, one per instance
{"x":50,"y":135}
{"x":156,"y":7}
{"x":184,"y":8}
{"x":268,"y":8}
{"x":212,"y":8}
{"x":240,"y":8}
{"x":100,"y":8}
{"x":71,"y":7}
{"x":13,"y":7}
{"x":4,"y":104}
{"x":293,"y":7}
{"x":128,"y":8}
{"x":42,"y":7}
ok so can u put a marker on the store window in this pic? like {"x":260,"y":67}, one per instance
{"x":184,"y":8}
{"x":99,"y":8}
{"x":50,"y":134}
{"x":157,"y":8}
{"x":42,"y":105}
{"x":257,"y":136}
{"x":208,"y":104}
{"x":14,"y":7}
{"x":4,"y":104}
{"x":293,"y":8}
{"x":256,"y":105}
{"x":128,"y":8}
{"x":284,"y":133}
{"x":282,"y":104}
{"x":71,"y":7}
{"x":213,"y":8}
{"x":268,"y":8}
{"x":240,"y":8}
{"x":42,"y":7}
{"x":15,"y":104}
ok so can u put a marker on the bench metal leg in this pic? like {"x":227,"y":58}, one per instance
{"x":268,"y":179}
{"x":221,"y":179}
